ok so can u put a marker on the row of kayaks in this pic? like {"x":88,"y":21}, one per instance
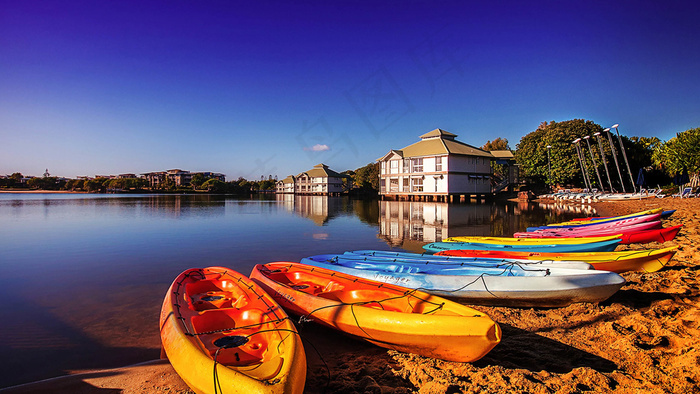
{"x":227,"y":333}
{"x":224,"y":332}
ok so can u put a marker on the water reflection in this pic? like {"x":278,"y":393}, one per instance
{"x":319,"y":209}
{"x":579,"y":210}
{"x":411,"y":224}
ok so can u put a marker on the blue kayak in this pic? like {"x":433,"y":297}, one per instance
{"x":426,"y":258}
{"x":407,"y":267}
{"x":440,"y":264}
{"x":602,"y":246}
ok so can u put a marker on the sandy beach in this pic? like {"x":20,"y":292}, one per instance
{"x":645,"y":338}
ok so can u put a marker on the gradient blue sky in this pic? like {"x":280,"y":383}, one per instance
{"x":273,"y":88}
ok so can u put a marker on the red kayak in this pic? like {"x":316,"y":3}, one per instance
{"x":591,"y":231}
{"x":627,"y":236}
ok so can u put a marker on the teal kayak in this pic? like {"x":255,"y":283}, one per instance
{"x":603,"y":246}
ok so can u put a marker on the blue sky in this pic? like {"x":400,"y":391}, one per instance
{"x":273,"y":88}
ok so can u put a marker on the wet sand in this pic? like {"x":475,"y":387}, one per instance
{"x":645,"y":338}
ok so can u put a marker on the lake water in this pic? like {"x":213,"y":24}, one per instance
{"x":83,"y":276}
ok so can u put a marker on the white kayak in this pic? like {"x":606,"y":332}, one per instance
{"x":511,"y":286}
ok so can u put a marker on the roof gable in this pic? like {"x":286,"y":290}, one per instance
{"x":392,"y":153}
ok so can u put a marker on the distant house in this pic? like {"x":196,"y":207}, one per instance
{"x":438,"y":167}
{"x":320,"y":180}
{"x":178,"y":177}
{"x":286,"y":185}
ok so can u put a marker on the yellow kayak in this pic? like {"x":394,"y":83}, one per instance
{"x":223,"y":334}
{"x":610,"y":219}
{"x":532,"y":241}
{"x":628,"y":260}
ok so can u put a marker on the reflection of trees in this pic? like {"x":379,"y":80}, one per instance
{"x":367,"y":210}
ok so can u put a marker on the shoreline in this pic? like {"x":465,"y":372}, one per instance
{"x":643,"y":339}
{"x":43,"y":191}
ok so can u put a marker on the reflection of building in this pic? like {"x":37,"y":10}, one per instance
{"x":437,"y":167}
{"x":198,"y":205}
{"x":410,"y":224}
{"x":320,"y":180}
{"x":317,"y":208}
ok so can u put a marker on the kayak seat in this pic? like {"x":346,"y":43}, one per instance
{"x":243,"y":341}
{"x":307,"y":287}
{"x":213,"y":294}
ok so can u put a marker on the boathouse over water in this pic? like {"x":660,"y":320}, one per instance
{"x":437,"y":168}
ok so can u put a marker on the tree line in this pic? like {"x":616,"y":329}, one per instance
{"x":575,"y":152}
{"x":547,"y":157}
{"x":199,"y":183}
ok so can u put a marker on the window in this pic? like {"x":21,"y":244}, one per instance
{"x":394,"y":185}
{"x":406,"y":165}
{"x":417,"y":185}
{"x":418,"y":165}
{"x":417,"y":233}
{"x":406,"y":184}
{"x":394,"y":166}
{"x":438,"y":163}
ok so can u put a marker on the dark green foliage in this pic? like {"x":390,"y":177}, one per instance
{"x":500,"y":171}
{"x":680,"y":153}
{"x":366,"y":178}
{"x":531,"y":152}
{"x":46,"y":183}
{"x":566,"y":170}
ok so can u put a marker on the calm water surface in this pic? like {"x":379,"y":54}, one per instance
{"x":84,"y":275}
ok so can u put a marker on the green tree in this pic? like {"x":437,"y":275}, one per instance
{"x":367,"y":178}
{"x":214,"y":186}
{"x":74,"y":184}
{"x":46,"y":183}
{"x":198,"y":180}
{"x":499,"y":170}
{"x":95,"y":185}
{"x":17,"y":177}
{"x":680,"y":153}
{"x":497,"y":144}
{"x":532,"y":156}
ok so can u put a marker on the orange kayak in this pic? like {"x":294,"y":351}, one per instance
{"x":629,"y":260}
{"x":223,"y":334}
{"x":390,"y":316}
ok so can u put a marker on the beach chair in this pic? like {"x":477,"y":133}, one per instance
{"x":685,"y":193}
{"x":659,"y":192}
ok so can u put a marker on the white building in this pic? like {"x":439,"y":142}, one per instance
{"x":320,"y":180}
{"x":437,"y":167}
